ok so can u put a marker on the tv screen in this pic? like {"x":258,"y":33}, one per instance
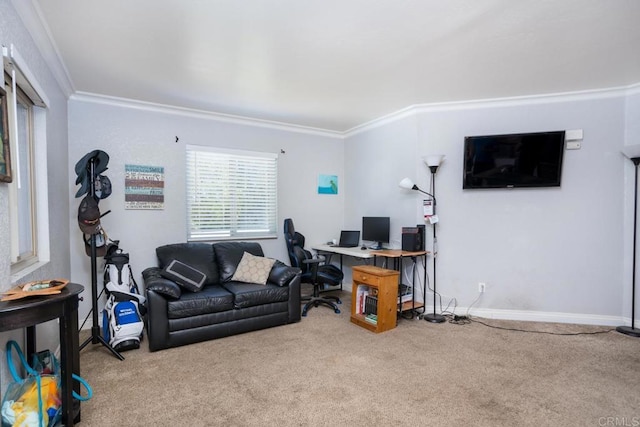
{"x":515,"y":160}
{"x":376,"y":229}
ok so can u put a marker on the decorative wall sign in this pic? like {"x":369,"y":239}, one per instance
{"x":327,"y":184}
{"x":143,"y":187}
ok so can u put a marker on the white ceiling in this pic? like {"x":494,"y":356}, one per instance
{"x":337,"y":64}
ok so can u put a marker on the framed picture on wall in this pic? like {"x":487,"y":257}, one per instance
{"x":5,"y":154}
{"x":327,"y":184}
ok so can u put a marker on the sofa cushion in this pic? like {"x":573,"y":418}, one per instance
{"x":253,"y":269}
{"x":197,"y":255}
{"x":251,"y":294}
{"x":229,"y":254}
{"x":211,"y":299}
{"x":184,"y":275}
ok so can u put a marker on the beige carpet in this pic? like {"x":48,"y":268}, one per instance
{"x":327,"y":371}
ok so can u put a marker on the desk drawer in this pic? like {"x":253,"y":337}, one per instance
{"x":365,"y":278}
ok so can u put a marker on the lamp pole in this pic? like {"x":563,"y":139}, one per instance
{"x":434,"y":317}
{"x":632,"y":331}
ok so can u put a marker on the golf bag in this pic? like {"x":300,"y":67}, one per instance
{"x":123,"y":314}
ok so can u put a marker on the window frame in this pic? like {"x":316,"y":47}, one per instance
{"x":22,"y":179}
{"x":255,"y":189}
{"x":21,"y":84}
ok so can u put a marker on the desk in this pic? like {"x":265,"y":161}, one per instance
{"x":397,"y":255}
{"x":30,"y":311}
{"x":352,"y":252}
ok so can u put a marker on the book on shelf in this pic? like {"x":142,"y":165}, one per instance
{"x":361,"y":294}
{"x":405,"y":298}
{"x":370,"y":305}
{"x":405,"y":293}
{"x":371,"y":318}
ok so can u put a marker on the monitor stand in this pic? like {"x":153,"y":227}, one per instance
{"x":376,"y":247}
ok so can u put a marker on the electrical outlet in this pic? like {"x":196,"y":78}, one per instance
{"x":482,"y":287}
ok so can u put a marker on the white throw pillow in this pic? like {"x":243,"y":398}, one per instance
{"x":253,"y":269}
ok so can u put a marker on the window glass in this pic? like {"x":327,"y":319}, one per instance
{"x":231,"y":194}
{"x":22,"y":214}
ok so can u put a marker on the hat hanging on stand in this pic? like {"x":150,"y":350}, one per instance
{"x":94,"y":187}
{"x":89,"y":215}
{"x":99,"y":160}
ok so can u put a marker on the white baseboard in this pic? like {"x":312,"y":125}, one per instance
{"x":542,"y":316}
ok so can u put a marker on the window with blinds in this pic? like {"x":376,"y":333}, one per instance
{"x":231,"y":194}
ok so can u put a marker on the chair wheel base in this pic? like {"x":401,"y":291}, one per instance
{"x":317,"y":301}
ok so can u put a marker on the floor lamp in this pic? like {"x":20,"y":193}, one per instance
{"x":433,"y":162}
{"x":633,"y":153}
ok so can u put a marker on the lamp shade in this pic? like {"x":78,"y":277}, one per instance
{"x":406,"y":183}
{"x":433,"y":159}
{"x":631,"y":151}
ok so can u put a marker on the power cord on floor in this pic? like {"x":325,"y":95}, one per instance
{"x":543,"y":332}
{"x":465,"y":320}
{"x":459,"y":320}
{"x":446,"y":311}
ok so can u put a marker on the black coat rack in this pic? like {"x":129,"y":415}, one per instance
{"x":96,"y":337}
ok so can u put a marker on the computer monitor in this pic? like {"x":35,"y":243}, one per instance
{"x":376,"y":229}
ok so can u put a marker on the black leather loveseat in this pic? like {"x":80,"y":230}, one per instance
{"x":221,"y":307}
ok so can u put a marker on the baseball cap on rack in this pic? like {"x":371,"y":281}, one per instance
{"x":89,"y":215}
{"x":99,"y":159}
{"x":102,"y":187}
{"x":101,"y":242}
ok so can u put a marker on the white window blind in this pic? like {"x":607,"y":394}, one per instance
{"x":231,"y":194}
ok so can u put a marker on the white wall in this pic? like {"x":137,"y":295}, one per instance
{"x":548,"y":253}
{"x":377,"y":160}
{"x":132,"y":134}
{"x":13,"y":31}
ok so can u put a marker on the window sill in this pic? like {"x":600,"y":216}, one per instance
{"x":15,"y":278}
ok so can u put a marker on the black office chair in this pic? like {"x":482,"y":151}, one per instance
{"x":314,"y":271}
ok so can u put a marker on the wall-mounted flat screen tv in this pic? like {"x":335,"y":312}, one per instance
{"x":514,"y":160}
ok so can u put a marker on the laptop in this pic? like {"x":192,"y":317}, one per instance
{"x":348,"y":239}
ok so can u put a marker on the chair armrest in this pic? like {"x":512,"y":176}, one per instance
{"x":155,"y":282}
{"x":315,"y":260}
{"x":282,"y":275}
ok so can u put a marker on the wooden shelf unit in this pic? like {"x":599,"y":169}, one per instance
{"x":398,"y":256}
{"x":385,"y":284}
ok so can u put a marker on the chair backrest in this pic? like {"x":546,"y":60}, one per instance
{"x":295,"y":246}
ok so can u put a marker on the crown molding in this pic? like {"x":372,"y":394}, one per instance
{"x":32,"y":18}
{"x":495,"y":103}
{"x":633,"y":89}
{"x":201,"y":114}
{"x":31,"y":15}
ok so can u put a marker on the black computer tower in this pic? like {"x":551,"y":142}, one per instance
{"x":413,"y":238}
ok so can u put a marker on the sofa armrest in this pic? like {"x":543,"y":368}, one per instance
{"x":157,"y":320}
{"x":295,"y":299}
{"x":153,"y":281}
{"x":281,"y":274}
